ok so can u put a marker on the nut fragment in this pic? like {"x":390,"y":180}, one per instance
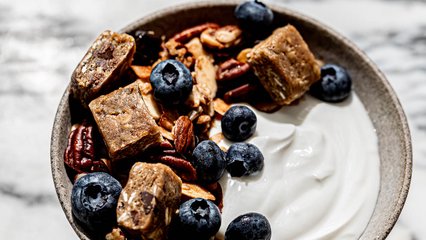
{"x":166,"y":134}
{"x":224,"y":37}
{"x":231,"y":69}
{"x":167,"y":118}
{"x":205,"y":75}
{"x":80,"y":152}
{"x":184,"y":134}
{"x":217,"y":138}
{"x":190,"y":190}
{"x":115,"y":234}
{"x":220,"y":106}
{"x":204,"y":119}
{"x":195,"y":47}
{"x":242,"y":56}
{"x":142,"y":72}
{"x":178,"y":51}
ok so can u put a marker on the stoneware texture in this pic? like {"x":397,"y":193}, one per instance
{"x":370,"y":84}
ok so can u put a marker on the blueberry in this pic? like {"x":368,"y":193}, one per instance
{"x":171,"y":82}
{"x":238,"y":123}
{"x":243,"y":159}
{"x":250,"y":226}
{"x":94,"y":200}
{"x":334,"y":85}
{"x":254,"y":14}
{"x":209,"y":161}
{"x":199,"y":219}
{"x":147,"y":47}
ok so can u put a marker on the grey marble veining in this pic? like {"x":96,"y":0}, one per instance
{"x":42,"y":41}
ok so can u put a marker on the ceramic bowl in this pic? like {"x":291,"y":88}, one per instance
{"x":370,"y":85}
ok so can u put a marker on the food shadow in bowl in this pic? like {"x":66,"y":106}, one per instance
{"x":369,"y":83}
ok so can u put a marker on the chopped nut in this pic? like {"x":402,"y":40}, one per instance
{"x":242,"y":56}
{"x":152,"y":105}
{"x":142,"y":72}
{"x":217,"y":138}
{"x":195,"y":113}
{"x":196,"y":48}
{"x":224,"y":37}
{"x":203,"y":119}
{"x":184,"y":134}
{"x":179,"y":51}
{"x":166,"y":134}
{"x":220,"y":106}
{"x":115,"y":234}
{"x":205,"y":75}
{"x":195,"y":191}
{"x":168,"y":118}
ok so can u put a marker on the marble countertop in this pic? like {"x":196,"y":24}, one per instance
{"x":42,"y":41}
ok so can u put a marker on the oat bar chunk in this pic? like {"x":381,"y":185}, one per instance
{"x":284,"y":64}
{"x":108,"y":57}
{"x":124,"y":121}
{"x":149,"y":200}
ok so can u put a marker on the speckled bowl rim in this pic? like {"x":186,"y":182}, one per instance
{"x":406,"y":148}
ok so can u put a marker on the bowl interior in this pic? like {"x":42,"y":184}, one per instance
{"x":371,"y":86}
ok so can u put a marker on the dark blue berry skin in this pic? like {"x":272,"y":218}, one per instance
{"x":243,"y":159}
{"x":334,"y":86}
{"x":199,"y":219}
{"x":238,"y":123}
{"x":147,"y":47}
{"x":171,"y":82}
{"x":250,"y":226}
{"x":254,"y":14}
{"x":209,"y":161}
{"x":94,"y":200}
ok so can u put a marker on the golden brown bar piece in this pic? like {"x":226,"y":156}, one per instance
{"x":284,"y":64}
{"x":125,"y":122}
{"x":105,"y":61}
{"x":148,"y":201}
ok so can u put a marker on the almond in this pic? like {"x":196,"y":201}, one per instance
{"x":195,"y":191}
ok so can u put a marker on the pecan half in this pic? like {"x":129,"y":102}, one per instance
{"x":231,"y":69}
{"x":221,"y":38}
{"x":240,"y":93}
{"x":80,"y":152}
{"x":181,"y":166}
{"x":192,"y":32}
{"x":184,"y":135}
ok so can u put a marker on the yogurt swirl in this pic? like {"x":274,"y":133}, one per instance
{"x":321,"y":176}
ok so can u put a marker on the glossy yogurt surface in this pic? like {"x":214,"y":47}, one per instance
{"x":321,"y":175}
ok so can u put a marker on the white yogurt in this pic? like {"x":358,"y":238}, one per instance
{"x":321,"y":174}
